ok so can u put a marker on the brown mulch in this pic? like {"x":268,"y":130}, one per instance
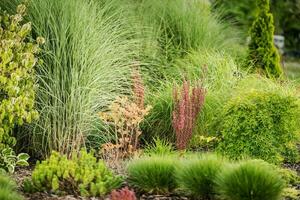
{"x":161,"y":197}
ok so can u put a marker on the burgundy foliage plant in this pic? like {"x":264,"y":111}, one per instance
{"x":187,"y":105}
{"x":123,"y":194}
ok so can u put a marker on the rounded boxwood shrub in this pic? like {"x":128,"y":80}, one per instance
{"x":260,"y":125}
{"x":152,"y":174}
{"x":197,"y":176}
{"x":250,"y":180}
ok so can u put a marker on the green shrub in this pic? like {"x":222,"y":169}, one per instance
{"x":196,"y":177}
{"x":17,"y":74}
{"x":8,"y":189}
{"x":260,"y":125}
{"x":262,"y":52}
{"x":87,"y":58}
{"x":250,"y":180}
{"x":82,"y":174}
{"x":152,"y":174}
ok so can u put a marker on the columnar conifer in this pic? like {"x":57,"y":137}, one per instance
{"x":263,"y":55}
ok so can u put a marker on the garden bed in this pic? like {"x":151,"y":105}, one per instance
{"x":25,"y":172}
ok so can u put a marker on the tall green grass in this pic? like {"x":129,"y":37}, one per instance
{"x":87,"y":58}
{"x":183,"y":25}
{"x":171,"y":29}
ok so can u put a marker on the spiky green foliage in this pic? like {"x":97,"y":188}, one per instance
{"x":180,"y":26}
{"x":196,"y":177}
{"x":17,"y":75}
{"x":262,"y":125}
{"x":171,"y":29}
{"x":262,"y":52}
{"x":250,"y":180}
{"x":81,"y":174}
{"x":159,"y":147}
{"x":87,"y":55}
{"x":152,"y":174}
{"x":8,"y":189}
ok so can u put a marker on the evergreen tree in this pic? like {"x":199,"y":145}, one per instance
{"x":263,"y":54}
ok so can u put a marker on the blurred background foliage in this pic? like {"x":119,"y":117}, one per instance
{"x":286,"y":16}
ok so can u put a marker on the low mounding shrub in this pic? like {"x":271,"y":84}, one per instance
{"x":260,"y":125}
{"x":250,"y":180}
{"x":82,"y":174}
{"x":152,"y":174}
{"x":197,"y":176}
{"x":7,"y":189}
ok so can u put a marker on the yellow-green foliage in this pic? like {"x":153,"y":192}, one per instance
{"x":260,"y":125}
{"x":17,"y":80}
{"x":82,"y":174}
{"x":291,"y":177}
{"x":291,"y":194}
{"x":262,"y":52}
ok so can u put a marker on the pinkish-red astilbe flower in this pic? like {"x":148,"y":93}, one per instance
{"x":123,"y":194}
{"x":187,"y":106}
{"x":138,"y":88}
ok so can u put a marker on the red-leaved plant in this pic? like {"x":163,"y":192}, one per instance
{"x":123,"y":194}
{"x":187,"y":105}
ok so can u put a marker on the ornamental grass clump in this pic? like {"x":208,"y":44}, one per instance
{"x":17,"y":75}
{"x":250,"y":180}
{"x":81,"y":175}
{"x":196,"y":177}
{"x":187,"y":105}
{"x":263,"y":55}
{"x":154,"y":175}
{"x":87,"y":58}
{"x":8,"y":189}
